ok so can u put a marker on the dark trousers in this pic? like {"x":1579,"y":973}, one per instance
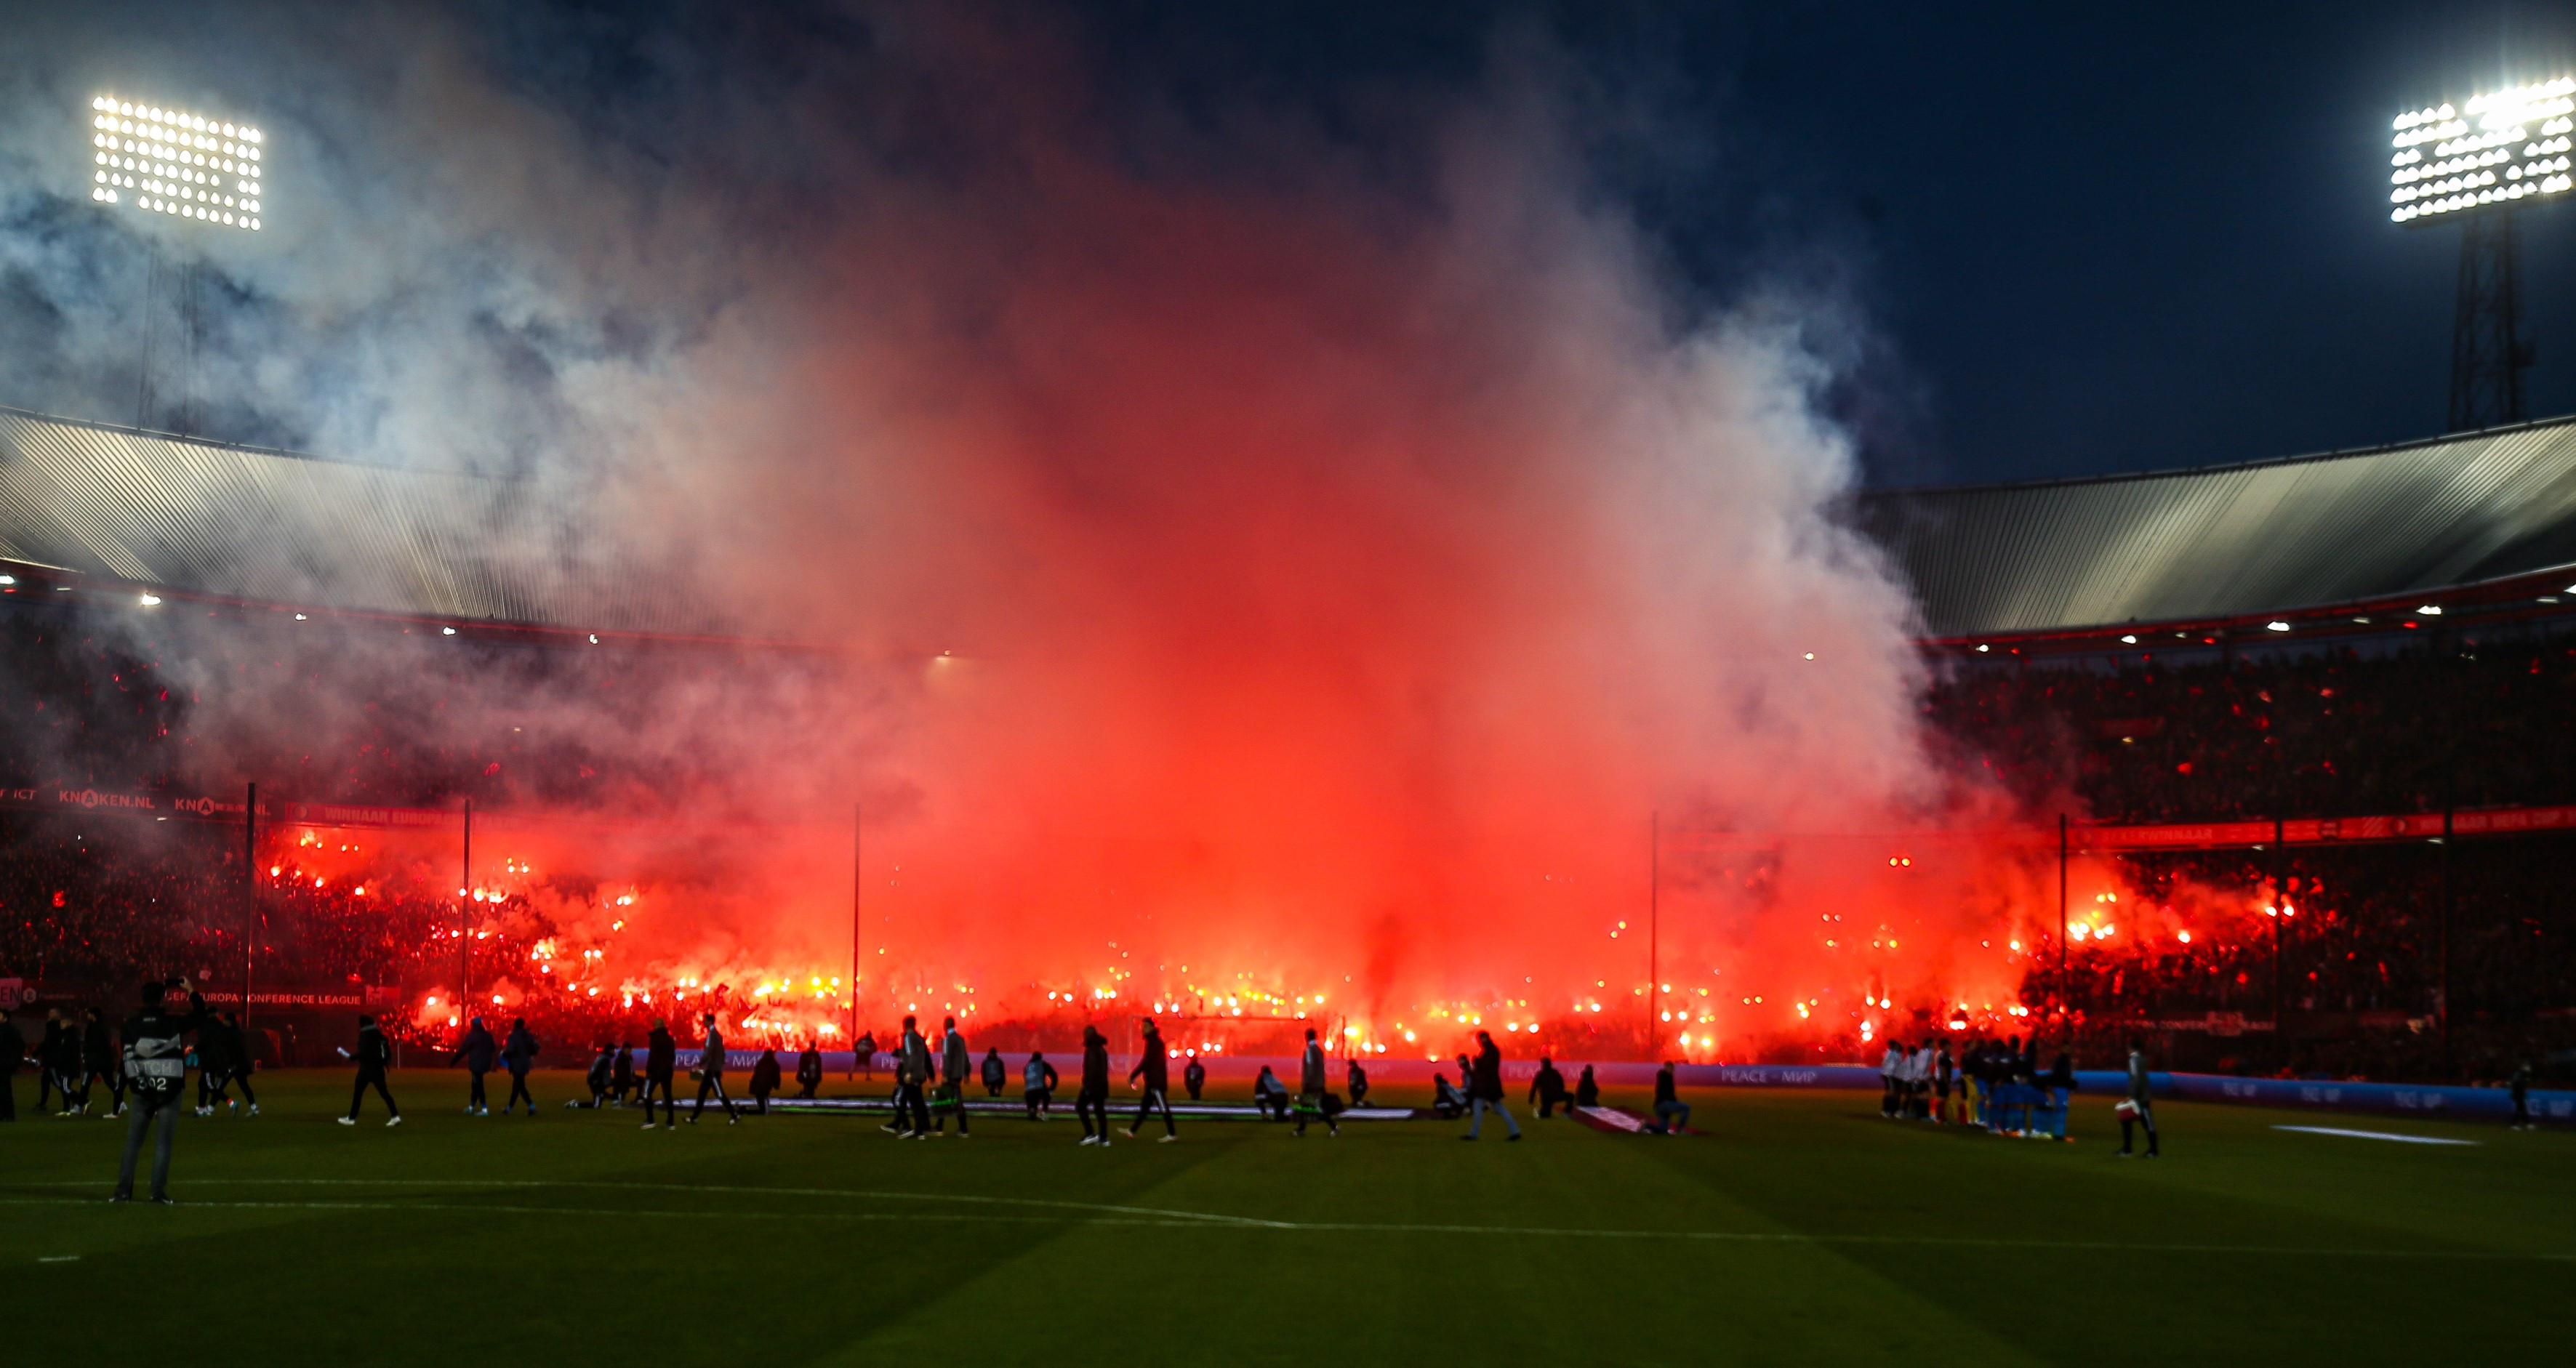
{"x":149,"y":1109}
{"x":2145,"y":1117}
{"x":1089,"y":1107}
{"x":911,"y":1112}
{"x":670,"y":1108}
{"x":2522,"y":1111}
{"x":711,"y":1083}
{"x":1037,"y":1100}
{"x":805,"y":1086}
{"x":371,"y":1078}
{"x":44,"y":1084}
{"x":115,"y":1081}
{"x":956,"y":1100}
{"x":1311,"y":1105}
{"x":1547,"y":1105}
{"x":240,"y":1075}
{"x":474,"y":1097}
{"x":1145,"y":1108}
{"x":9,"y":1093}
{"x":519,"y":1090}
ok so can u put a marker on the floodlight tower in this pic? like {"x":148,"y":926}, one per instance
{"x":202,"y":172}
{"x":2481,"y":163}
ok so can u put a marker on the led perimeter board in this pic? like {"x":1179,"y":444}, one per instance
{"x":177,"y":163}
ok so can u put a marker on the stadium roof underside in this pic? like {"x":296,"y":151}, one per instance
{"x":2225,"y":542}
{"x":277,"y":528}
{"x":2063,"y":557}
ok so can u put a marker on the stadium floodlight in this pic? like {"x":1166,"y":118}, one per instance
{"x":178,"y":163}
{"x":2502,"y":148}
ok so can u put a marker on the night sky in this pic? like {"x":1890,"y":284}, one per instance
{"x":2058,"y":240}
{"x":2084,"y":239}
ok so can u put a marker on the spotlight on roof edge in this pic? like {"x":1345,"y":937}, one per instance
{"x":2499,"y":149}
{"x":2276,"y":626}
{"x":177,"y":163}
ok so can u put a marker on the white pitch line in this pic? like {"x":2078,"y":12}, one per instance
{"x":1163,"y":1219}
{"x":2377,"y":1135}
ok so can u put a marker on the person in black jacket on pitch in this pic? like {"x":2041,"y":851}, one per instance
{"x":660,"y":1052}
{"x":49,"y":1060}
{"x":98,"y":1063}
{"x":1194,"y":1075}
{"x":1092,"y":1103}
{"x":236,"y":1061}
{"x":156,"y":1061}
{"x":764,"y":1078}
{"x":1672,"y":1115}
{"x":996,"y":1073}
{"x":1547,"y":1090}
{"x":809,"y":1069}
{"x":476,"y":1052}
{"x":1485,"y":1088}
{"x":373,"y":1057}
{"x":1356,"y":1079}
{"x":13,"y":1053}
{"x":1156,"y":1070}
{"x":1586,"y":1092}
{"x":621,"y":1075}
{"x":519,"y":1052}
{"x":599,"y":1078}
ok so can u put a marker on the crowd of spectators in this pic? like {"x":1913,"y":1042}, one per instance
{"x":2356,"y":978}
{"x":2331,"y":733}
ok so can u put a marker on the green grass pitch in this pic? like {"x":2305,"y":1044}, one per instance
{"x":1799,"y":1229}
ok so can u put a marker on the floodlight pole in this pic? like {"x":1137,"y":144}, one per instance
{"x":2488,"y":353}
{"x":250,"y":902}
{"x":2280,"y":929}
{"x":858,"y":895}
{"x":859,"y":885}
{"x":464,"y":918}
{"x":2065,"y":1002}
{"x":1654,"y":933}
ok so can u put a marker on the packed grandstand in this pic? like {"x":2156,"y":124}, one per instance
{"x":2378,"y":645}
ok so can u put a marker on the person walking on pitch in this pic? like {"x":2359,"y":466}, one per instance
{"x":809,"y":1070}
{"x":373,"y":1056}
{"x":661,"y":1057}
{"x":911,"y":1075}
{"x":1485,"y":1088}
{"x":13,"y":1053}
{"x":955,"y":1065}
{"x":2139,"y":1109}
{"x":764,"y":1078}
{"x":1038,"y":1080}
{"x":519,"y":1052}
{"x":156,"y":1067}
{"x":711,"y":1067}
{"x":1356,"y":1079}
{"x":1092,"y":1103}
{"x":1311,"y":1088}
{"x":1155,"y":1069}
{"x":236,"y":1053}
{"x":99,"y":1063}
{"x":476,"y":1052}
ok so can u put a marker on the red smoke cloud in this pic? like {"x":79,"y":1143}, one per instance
{"x":1317,"y":586}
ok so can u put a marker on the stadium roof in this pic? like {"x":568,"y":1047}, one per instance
{"x":2058,"y":556}
{"x":2231,"y":541}
{"x":280,"y":528}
